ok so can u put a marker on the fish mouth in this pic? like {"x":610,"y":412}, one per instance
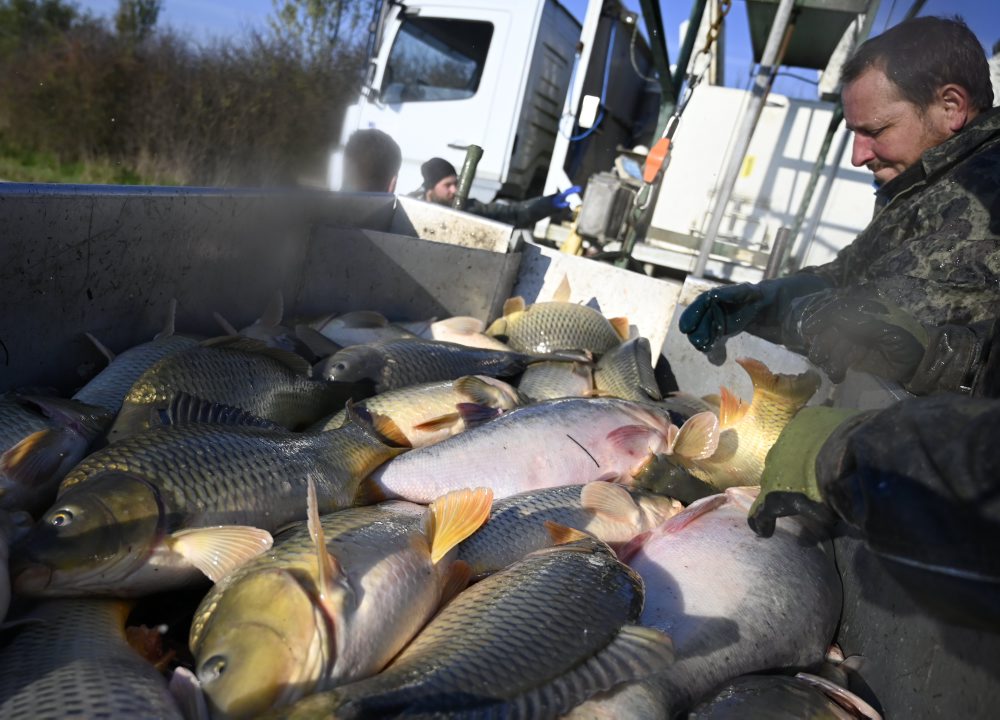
{"x":32,"y":579}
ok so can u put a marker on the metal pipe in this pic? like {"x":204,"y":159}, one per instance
{"x":472,"y":156}
{"x":694,"y":25}
{"x":653,"y":19}
{"x":774,"y":50}
{"x":778,"y":249}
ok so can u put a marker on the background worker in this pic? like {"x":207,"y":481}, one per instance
{"x":441,"y":184}
{"x":913,"y":298}
{"x":371,"y":162}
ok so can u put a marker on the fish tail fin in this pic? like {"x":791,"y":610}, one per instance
{"x":169,"y":325}
{"x":793,"y":389}
{"x":453,"y":517}
{"x":274,"y":311}
{"x":563,"y":291}
{"x":32,"y":460}
{"x":731,"y":408}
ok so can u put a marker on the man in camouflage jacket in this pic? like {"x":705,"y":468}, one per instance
{"x":916,"y":296}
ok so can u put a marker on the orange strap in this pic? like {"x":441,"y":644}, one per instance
{"x":654,"y":161}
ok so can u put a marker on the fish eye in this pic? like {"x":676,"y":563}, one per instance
{"x":61,"y":518}
{"x":212,"y":668}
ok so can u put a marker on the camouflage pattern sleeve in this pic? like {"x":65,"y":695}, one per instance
{"x":934,"y":248}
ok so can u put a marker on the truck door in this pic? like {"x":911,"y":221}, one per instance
{"x":449,"y":77}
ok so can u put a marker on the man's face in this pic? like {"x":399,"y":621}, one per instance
{"x":890,"y":133}
{"x":444,"y":191}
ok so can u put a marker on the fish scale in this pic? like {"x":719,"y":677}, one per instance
{"x":75,"y":662}
{"x":248,"y":379}
{"x":553,"y":326}
{"x":108,"y":388}
{"x":510,"y":645}
{"x":234,"y":474}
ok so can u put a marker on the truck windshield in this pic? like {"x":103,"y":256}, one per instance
{"x":436,"y":59}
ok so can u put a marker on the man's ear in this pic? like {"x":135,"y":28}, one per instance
{"x":957,"y":106}
{"x":392,"y":184}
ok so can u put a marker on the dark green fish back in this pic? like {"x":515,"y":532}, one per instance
{"x":75,"y":662}
{"x":510,"y":636}
{"x":211,"y":474}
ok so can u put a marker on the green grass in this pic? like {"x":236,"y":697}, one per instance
{"x":29,"y":166}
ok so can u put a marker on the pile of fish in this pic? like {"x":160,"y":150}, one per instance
{"x":349,"y":517}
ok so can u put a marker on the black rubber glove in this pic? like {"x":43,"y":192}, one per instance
{"x":757,"y":308}
{"x":855,"y":328}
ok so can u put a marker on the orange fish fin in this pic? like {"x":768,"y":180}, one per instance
{"x":620,"y":324}
{"x":610,"y":500}
{"x":28,"y":463}
{"x":731,"y":408}
{"x":563,"y":292}
{"x":513,"y":305}
{"x":698,"y":437}
{"x":387,"y":428}
{"x":795,"y":388}
{"x":458,"y":578}
{"x":438,"y":423}
{"x":562,"y":535}
{"x":453,"y":517}
{"x":219,"y":550}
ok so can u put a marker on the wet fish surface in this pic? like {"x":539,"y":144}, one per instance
{"x":559,"y":442}
{"x":511,"y":645}
{"x":777,"y":607}
{"x":235,"y":371}
{"x":73,"y":660}
{"x":133,"y":517}
{"x":610,"y":512}
{"x":41,"y":439}
{"x":321,"y":609}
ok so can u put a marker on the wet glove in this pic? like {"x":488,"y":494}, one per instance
{"x":561,"y":201}
{"x":788,"y":485}
{"x":860,"y":329}
{"x":757,"y":308}
{"x":920,"y":482}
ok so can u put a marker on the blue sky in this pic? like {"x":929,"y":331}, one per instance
{"x":205,"y":19}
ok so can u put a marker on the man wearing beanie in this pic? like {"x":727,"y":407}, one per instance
{"x":441,"y":183}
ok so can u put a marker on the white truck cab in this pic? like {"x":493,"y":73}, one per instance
{"x":454,"y":73}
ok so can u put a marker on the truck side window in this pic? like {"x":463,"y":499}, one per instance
{"x":436,"y":59}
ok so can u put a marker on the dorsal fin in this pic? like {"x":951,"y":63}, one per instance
{"x":562,"y":535}
{"x":186,"y":408}
{"x":296,"y":363}
{"x":513,"y":305}
{"x":168,"y":325}
{"x":101,"y":347}
{"x":621,"y":326}
{"x":274,"y":311}
{"x":327,"y":567}
{"x":227,"y":327}
{"x":453,"y":517}
{"x":563,"y":292}
{"x":731,"y":408}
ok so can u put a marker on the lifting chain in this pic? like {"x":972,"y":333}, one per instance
{"x":716,"y":27}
